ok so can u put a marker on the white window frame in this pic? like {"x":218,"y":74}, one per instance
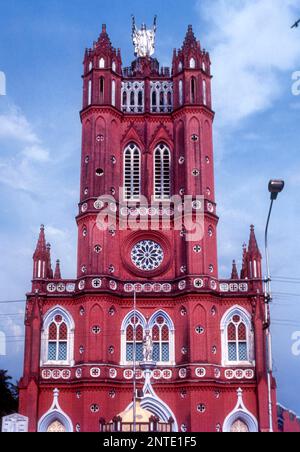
{"x":48,"y":319}
{"x":102,"y":63}
{"x":125,"y":324}
{"x":170,"y":324}
{"x":226,"y":320}
{"x":113,"y":93}
{"x":132,"y":148}
{"x":145,"y":327}
{"x":90,"y":88}
{"x":192,"y":63}
{"x":161,"y":149}
{"x":204,"y":89}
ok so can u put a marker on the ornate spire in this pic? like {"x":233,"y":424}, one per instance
{"x":103,"y":40}
{"x":190,"y":40}
{"x":42,"y":258}
{"x":41,"y":243}
{"x":234,"y":273}
{"x":253,"y":249}
{"x":244,"y":264}
{"x":57,"y":274}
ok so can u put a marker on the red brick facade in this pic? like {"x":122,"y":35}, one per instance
{"x":147,"y":130}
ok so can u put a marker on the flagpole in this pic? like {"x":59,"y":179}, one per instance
{"x":134,"y":361}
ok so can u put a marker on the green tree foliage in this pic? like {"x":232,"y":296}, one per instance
{"x":8,"y":395}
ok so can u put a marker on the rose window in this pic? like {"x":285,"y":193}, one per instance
{"x":147,"y":255}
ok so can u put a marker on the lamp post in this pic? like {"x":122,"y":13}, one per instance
{"x":275,"y":187}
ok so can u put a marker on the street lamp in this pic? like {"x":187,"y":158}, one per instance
{"x":275,"y":187}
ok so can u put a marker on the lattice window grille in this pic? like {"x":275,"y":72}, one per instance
{"x":133,"y":97}
{"x":161,"y":96}
{"x":132,"y":173}
{"x":237,"y":340}
{"x":162,"y":173}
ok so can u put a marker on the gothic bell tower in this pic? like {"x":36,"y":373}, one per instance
{"x":147,"y":238}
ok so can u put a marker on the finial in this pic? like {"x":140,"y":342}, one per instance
{"x":103,"y":28}
{"x":42,"y":227}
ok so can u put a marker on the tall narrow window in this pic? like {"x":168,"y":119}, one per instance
{"x":113,"y":93}
{"x":132,"y":98}
{"x":130,"y":340}
{"x":102,"y":63}
{"x":192,"y":63}
{"x":101,"y":90}
{"x":204,"y":92}
{"x":124,"y":101}
{"x":180,"y":92}
{"x":237,"y":340}
{"x":154,"y":99}
{"x":132,"y":173}
{"x":58,"y":340}
{"x":90,"y":92}
{"x":193,"y":90}
{"x":162,"y":167}
{"x":162,"y":99}
{"x":161,"y":340}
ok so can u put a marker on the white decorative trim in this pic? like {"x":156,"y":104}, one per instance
{"x":154,"y":404}
{"x":240,"y":412}
{"x":171,"y":327}
{"x":55,"y":414}
{"x":145,"y":326}
{"x":58,"y":310}
{"x":245,"y":315}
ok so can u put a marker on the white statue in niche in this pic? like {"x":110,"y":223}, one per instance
{"x":143,"y":39}
{"x":148,"y":347}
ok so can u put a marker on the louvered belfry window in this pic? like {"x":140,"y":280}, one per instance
{"x":132,"y":173}
{"x":162,"y":181}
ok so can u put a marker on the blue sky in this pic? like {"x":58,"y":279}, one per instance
{"x":254,"y":54}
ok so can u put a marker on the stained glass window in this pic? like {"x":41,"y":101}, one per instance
{"x":130,"y":340}
{"x":237,"y":340}
{"x":58,"y":340}
{"x":160,"y":338}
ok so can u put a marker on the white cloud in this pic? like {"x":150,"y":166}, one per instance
{"x":14,"y":125}
{"x":36,"y":152}
{"x":252,"y":45}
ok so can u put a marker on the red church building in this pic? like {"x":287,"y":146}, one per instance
{"x":147,"y":231}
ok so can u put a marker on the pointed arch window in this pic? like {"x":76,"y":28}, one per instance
{"x":58,"y":340}
{"x":154,"y":99}
{"x":101,"y":63}
{"x":162,"y":176}
{"x":113,"y":93}
{"x":133,"y":322}
{"x":180,"y":92}
{"x":192,"y":63}
{"x":161,"y":330}
{"x":132,"y":173}
{"x":130,"y":340}
{"x":57,"y":343}
{"x":90,"y":92}
{"x":124,"y":98}
{"x":237,"y":338}
{"x":204,"y":92}
{"x":193,"y":90}
{"x":162,"y":333}
{"x":101,"y":89}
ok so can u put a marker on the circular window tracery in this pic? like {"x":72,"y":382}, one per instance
{"x":147,"y":255}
